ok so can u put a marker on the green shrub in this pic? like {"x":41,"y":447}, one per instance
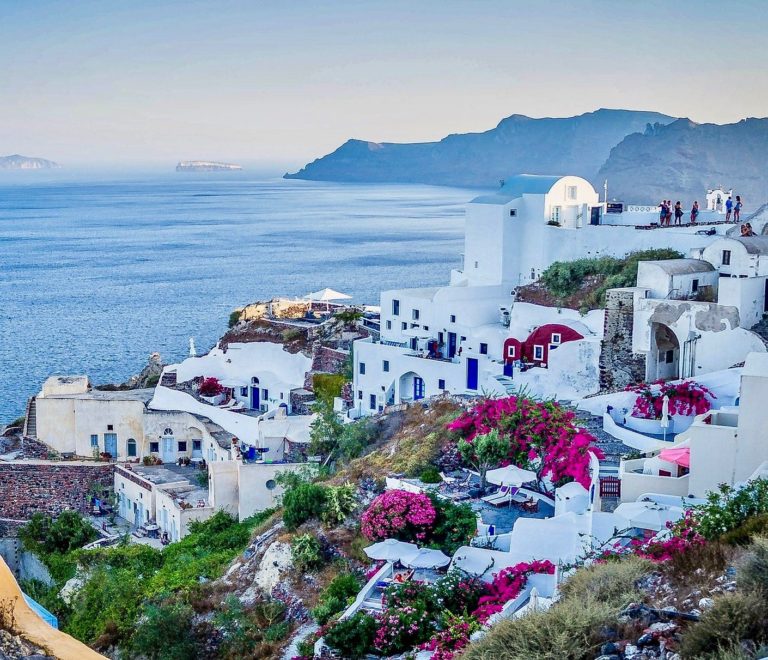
{"x":340,"y":501}
{"x":303,"y":502}
{"x":336,"y":597}
{"x":44,"y":535}
{"x":743,"y":534}
{"x":306,"y":552}
{"x":728,"y":508}
{"x":752,"y":572}
{"x":614,"y":583}
{"x":276,"y":632}
{"x":327,"y":386}
{"x":352,"y":637}
{"x":454,"y":526}
{"x":734,"y":617}
{"x":430,"y":475}
{"x":165,"y":633}
{"x":356,"y":437}
{"x":234,"y":318}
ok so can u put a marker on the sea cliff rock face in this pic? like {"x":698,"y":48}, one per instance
{"x":18,"y":162}
{"x":519,"y":144}
{"x":683,"y":159}
{"x":206,"y":166}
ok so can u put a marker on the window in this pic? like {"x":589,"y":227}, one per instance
{"x":168,"y":432}
{"x":453,"y":318}
{"x":426,"y":327}
{"x":389,"y":325}
{"x":265,"y":394}
{"x":154,"y":447}
{"x":385,"y":365}
{"x":571,"y":192}
{"x":271,"y":484}
{"x":669,"y":358}
{"x":441,"y":384}
{"x":483,"y":349}
{"x":131,"y":447}
{"x":695,"y":286}
{"x":243,"y":391}
{"x":372,"y":402}
{"x":197,"y":445}
{"x":415,"y":314}
{"x":403,"y":326}
{"x":282,"y":396}
{"x":362,"y":368}
{"x":182,"y":445}
{"x":395,"y":308}
{"x":538,"y":352}
{"x":477,"y":264}
{"x":512,"y":213}
{"x":511,"y":351}
{"x":726,"y":257}
{"x":554,"y":215}
{"x":94,"y":441}
{"x":463,"y":339}
{"x":360,"y":394}
{"x":254,"y":381}
{"x":556,"y":338}
{"x":110,"y":427}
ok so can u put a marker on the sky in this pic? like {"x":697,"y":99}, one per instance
{"x":282,"y":83}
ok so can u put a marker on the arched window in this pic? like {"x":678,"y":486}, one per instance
{"x":131,"y":447}
{"x":168,"y":432}
{"x":254,"y":381}
{"x":271,"y":484}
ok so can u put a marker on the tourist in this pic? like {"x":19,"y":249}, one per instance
{"x":662,"y":212}
{"x":669,"y":212}
{"x":737,"y":209}
{"x":678,"y":213}
{"x":750,"y":231}
{"x":728,"y":209}
{"x":694,"y":212}
{"x":743,"y":230}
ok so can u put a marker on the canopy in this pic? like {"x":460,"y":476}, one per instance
{"x":427,"y":558}
{"x":510,"y":476}
{"x":390,"y":550}
{"x":679,"y":455}
{"x":324,"y":295}
{"x":648,"y":515}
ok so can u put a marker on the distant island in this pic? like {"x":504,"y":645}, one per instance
{"x":206,"y":166}
{"x":18,"y":162}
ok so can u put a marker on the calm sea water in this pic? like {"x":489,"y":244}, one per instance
{"x":95,"y":275}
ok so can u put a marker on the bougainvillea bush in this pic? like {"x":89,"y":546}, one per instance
{"x":507,"y":584}
{"x":542,"y":435}
{"x":399,"y":514}
{"x":210,"y":387}
{"x":686,"y":398}
{"x":452,"y":638}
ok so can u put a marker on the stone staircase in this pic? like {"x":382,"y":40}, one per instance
{"x":507,"y":383}
{"x":30,"y":419}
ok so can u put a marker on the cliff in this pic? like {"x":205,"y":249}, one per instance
{"x":18,"y":162}
{"x":682,"y":159}
{"x":573,"y":145}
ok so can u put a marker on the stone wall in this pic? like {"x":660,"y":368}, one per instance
{"x":619,"y":366}
{"x":48,"y":487}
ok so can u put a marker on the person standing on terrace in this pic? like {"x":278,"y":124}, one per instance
{"x":694,"y":212}
{"x":737,"y":209}
{"x":728,"y":209}
{"x":678,"y":213}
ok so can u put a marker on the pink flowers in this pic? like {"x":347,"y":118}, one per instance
{"x":686,"y":398}
{"x":507,"y":585}
{"x":542,"y":436}
{"x":210,"y":387}
{"x":398,"y":514}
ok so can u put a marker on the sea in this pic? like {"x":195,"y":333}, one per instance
{"x":98,"y":272}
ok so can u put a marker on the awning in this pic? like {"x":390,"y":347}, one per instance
{"x":324,"y":295}
{"x":679,"y":455}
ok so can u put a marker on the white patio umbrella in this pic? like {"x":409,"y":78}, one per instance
{"x":391,"y":550}
{"x":648,"y":515}
{"x":427,"y":558}
{"x":665,"y":415}
{"x":326,"y":295}
{"x":510,"y":476}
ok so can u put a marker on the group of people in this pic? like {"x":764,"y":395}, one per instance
{"x":746,"y":230}
{"x":667,"y":210}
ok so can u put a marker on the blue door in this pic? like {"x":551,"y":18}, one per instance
{"x":418,"y":388}
{"x":509,"y":369}
{"x":255,"y":399}
{"x":451,"y":344}
{"x":110,"y":444}
{"x":471,"y":374}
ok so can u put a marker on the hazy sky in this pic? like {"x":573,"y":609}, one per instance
{"x":284,"y":82}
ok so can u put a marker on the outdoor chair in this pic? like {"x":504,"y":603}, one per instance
{"x":446,"y":479}
{"x":502,"y":496}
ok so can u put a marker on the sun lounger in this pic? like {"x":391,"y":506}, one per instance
{"x":446,"y":478}
{"x":501,"y":496}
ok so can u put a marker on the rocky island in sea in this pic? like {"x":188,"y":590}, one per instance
{"x":206,"y":166}
{"x":19,"y":162}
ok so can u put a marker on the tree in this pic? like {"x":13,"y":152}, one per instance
{"x":485,"y":451}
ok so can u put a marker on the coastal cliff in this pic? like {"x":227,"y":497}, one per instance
{"x":19,"y":162}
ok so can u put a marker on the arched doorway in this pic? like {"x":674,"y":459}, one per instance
{"x":664,"y":356}
{"x":411,"y":387}
{"x":255,"y":393}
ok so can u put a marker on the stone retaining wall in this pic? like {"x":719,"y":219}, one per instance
{"x":619,"y":366}
{"x":49,"y":488}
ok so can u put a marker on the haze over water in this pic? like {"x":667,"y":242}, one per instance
{"x":95,"y":275}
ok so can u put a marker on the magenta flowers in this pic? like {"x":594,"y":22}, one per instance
{"x":507,"y":585}
{"x":686,"y":398}
{"x":399,"y":514}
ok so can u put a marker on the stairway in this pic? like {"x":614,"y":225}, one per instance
{"x":507,"y":383}
{"x":30,"y":419}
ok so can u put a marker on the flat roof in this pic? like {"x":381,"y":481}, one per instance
{"x":682,"y":266}
{"x":155,"y":474}
{"x":143,"y":395}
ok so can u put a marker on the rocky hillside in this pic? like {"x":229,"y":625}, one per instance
{"x":682,"y":159}
{"x":17,"y":162}
{"x":574,"y":145}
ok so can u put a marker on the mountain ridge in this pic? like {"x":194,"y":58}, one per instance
{"x":19,"y":162}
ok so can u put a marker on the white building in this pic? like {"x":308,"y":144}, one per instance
{"x":455,"y":338}
{"x":724,"y":446}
